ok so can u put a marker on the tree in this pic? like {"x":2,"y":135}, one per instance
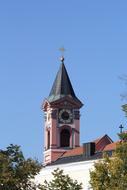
{"x":124,"y":95}
{"x":110,"y":173}
{"x":124,"y":79}
{"x":16,"y":172}
{"x":61,"y":182}
{"x":124,"y":107}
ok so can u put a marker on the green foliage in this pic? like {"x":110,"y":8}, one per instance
{"x":124,"y":79}
{"x":16,"y":172}
{"x":61,"y":182}
{"x":123,"y":135}
{"x":124,"y":107}
{"x":111,"y":173}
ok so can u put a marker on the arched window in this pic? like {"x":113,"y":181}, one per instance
{"x":65,"y":138}
{"x":48,"y":140}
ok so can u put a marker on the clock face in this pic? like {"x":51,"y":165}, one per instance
{"x":65,"y":116}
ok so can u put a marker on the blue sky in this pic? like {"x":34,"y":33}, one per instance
{"x":94,"y":34}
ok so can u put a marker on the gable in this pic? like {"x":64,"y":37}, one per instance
{"x":66,"y":102}
{"x":102,"y":142}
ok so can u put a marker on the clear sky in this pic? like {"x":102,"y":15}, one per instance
{"x":94,"y":34}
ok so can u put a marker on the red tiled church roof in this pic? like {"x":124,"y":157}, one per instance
{"x":111,"y":146}
{"x":103,"y":143}
{"x":74,"y":152}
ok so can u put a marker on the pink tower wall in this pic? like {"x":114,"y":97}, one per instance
{"x":77,"y":132}
{"x":55,"y":151}
{"x":53,"y":135}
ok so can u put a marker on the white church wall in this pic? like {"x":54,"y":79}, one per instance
{"x":78,"y":171}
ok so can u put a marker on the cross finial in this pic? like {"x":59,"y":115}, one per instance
{"x":121,"y":128}
{"x":62,"y":50}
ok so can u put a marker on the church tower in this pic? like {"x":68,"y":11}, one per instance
{"x":62,"y":117}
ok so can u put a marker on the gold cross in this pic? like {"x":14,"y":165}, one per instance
{"x":62,"y":50}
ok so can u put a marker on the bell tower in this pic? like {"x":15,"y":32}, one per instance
{"x":62,"y":117}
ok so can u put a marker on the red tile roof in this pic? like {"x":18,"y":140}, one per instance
{"x":100,"y":138}
{"x":101,"y":144}
{"x":74,"y":152}
{"x":111,"y":146}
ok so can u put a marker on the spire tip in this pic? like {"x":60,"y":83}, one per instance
{"x":62,"y":59}
{"x":62,"y":50}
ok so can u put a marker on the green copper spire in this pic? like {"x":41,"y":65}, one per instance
{"x":62,"y":86}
